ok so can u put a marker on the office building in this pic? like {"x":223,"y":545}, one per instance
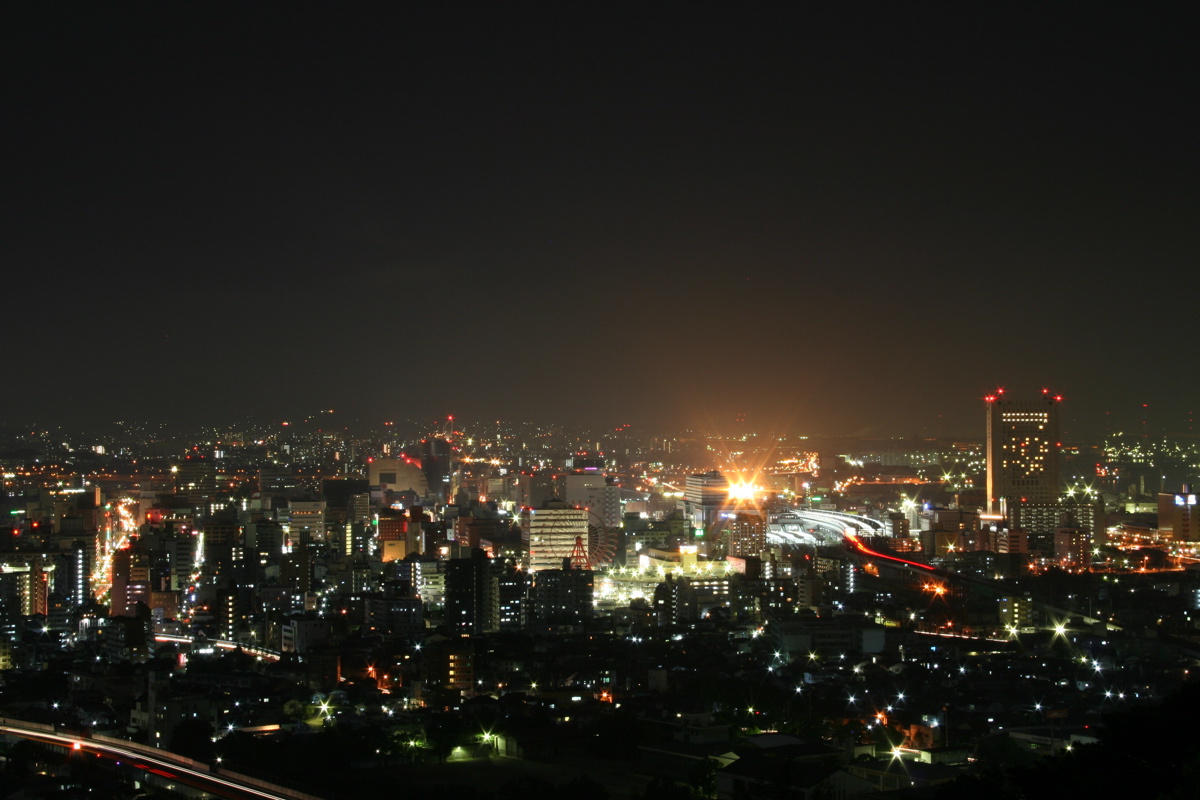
{"x":590,"y":489}
{"x":1022,"y":451}
{"x":704,"y":495}
{"x":534,"y":489}
{"x":305,"y":520}
{"x":1179,"y":515}
{"x":743,"y":534}
{"x":1041,"y":520}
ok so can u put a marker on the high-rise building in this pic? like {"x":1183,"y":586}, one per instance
{"x":181,"y":559}
{"x":34,"y":588}
{"x":562,"y":595}
{"x":590,"y":489}
{"x":472,"y":594}
{"x":400,"y":533}
{"x":306,"y":521}
{"x":554,"y":530}
{"x":79,"y":570}
{"x":1041,"y":520}
{"x":296,"y":571}
{"x":703,"y":498}
{"x":532,"y":490}
{"x":1179,"y":515}
{"x":1022,"y":451}
{"x":674,"y":601}
{"x":437,"y":463}
{"x":394,"y":616}
{"x":120,"y":569}
{"x":512,"y":589}
{"x":743,"y":534}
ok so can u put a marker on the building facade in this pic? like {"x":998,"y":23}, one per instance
{"x":1022,"y":451}
{"x":553,"y":532}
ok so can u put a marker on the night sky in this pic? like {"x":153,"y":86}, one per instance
{"x":843,"y":219}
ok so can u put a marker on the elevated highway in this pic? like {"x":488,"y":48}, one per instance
{"x":164,"y":764}
{"x":837,"y":527}
{"x":220,"y":644}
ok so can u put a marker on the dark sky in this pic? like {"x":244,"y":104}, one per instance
{"x":850,"y":219}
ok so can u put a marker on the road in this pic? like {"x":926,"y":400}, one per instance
{"x":159,"y":762}
{"x":852,"y":527}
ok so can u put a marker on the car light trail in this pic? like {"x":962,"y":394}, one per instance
{"x":857,"y":544}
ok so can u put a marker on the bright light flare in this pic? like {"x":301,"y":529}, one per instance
{"x":743,"y":491}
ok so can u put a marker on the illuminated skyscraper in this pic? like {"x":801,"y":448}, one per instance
{"x":1022,"y":451}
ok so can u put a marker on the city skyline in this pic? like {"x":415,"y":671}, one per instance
{"x":1084,"y":425}
{"x":830,"y":221}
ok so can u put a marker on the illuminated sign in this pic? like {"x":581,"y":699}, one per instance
{"x":1185,"y":500}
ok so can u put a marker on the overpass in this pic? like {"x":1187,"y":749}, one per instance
{"x":838,"y":527}
{"x":159,"y":762}
{"x":796,"y":527}
{"x":221,"y":644}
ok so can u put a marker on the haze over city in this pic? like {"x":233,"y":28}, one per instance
{"x":852,"y":219}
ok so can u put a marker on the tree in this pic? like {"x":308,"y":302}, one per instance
{"x":527,"y":787}
{"x":583,"y":788}
{"x":295,"y":710}
{"x":665,"y":789}
{"x":193,"y":738}
{"x":702,"y":777}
